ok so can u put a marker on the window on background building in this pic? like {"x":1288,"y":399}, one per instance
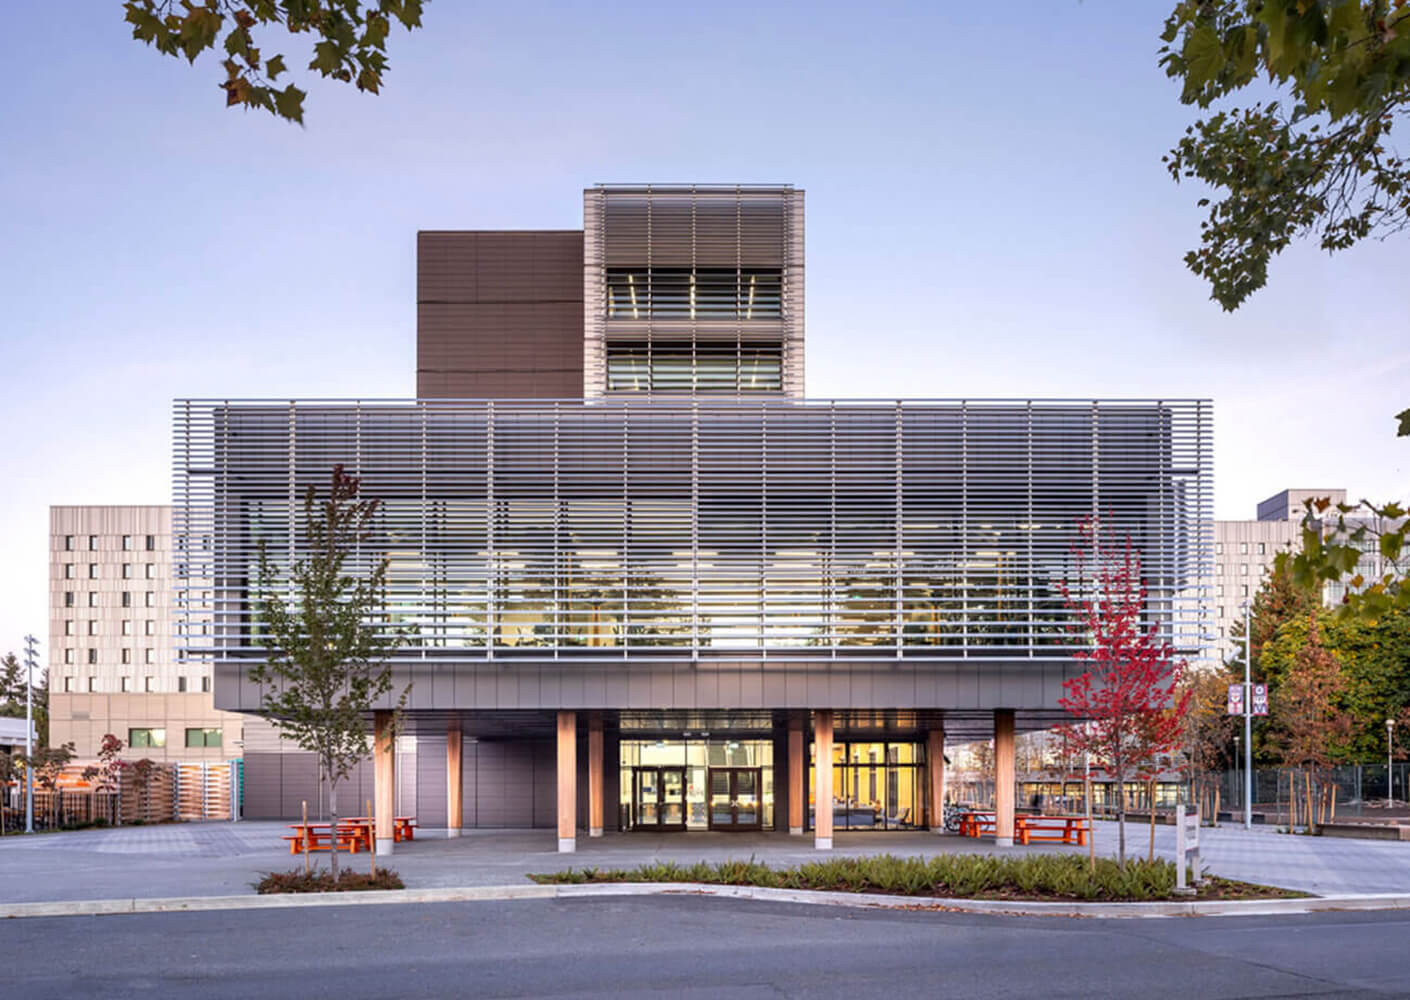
{"x":1243,"y":569}
{"x":127,"y":598}
{"x":151,"y":571}
{"x":125,"y":684}
{"x":68,"y":543}
{"x":1218,"y":548}
{"x":92,"y":543}
{"x":127,"y":626}
{"x":149,"y":655}
{"x":92,"y":571}
{"x":127,"y":571}
{"x":92,"y":626}
{"x":92,"y":684}
{"x":181,"y":683}
{"x":151,"y":543}
{"x":126,"y":655}
{"x":1243,"y":548}
{"x":68,"y":571}
{"x":1219,"y":611}
{"x":149,"y":684}
{"x":68,"y":655}
{"x":149,"y":627}
{"x":150,"y":600}
{"x":146,"y":738}
{"x":68,"y":685}
{"x":1221,"y":631}
{"x":93,"y":599}
{"x":127,"y":543}
{"x":1245,"y":590}
{"x":1263,"y":548}
{"x":68,"y":598}
{"x":203,"y":737}
{"x":92,"y":656}
{"x":205,"y":685}
{"x":68,"y":627}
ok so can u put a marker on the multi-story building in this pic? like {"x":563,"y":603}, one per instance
{"x":1244,"y":552}
{"x":113,"y":664}
{"x":659,"y":585}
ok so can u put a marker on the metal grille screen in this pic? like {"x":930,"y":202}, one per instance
{"x":651,"y":528}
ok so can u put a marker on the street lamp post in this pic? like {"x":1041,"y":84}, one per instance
{"x":1237,"y":768}
{"x":29,"y":665}
{"x":1390,"y":762}
{"x":1248,"y":715}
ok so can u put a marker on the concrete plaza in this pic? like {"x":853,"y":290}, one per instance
{"x":210,"y":859}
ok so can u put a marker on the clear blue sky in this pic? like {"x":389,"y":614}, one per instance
{"x":987,"y":216}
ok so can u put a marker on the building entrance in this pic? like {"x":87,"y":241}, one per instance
{"x":694,"y":783}
{"x":735,"y":800}
{"x":659,"y":798}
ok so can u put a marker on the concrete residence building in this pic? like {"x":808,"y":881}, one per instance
{"x":657,"y":587}
{"x":113,"y":663}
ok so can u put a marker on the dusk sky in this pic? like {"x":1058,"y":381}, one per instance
{"x":987,"y":215}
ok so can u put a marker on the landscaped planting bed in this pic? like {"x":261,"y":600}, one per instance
{"x":1064,"y":877}
{"x":321,"y":880}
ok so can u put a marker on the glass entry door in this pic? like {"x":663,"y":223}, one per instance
{"x":735,"y":800}
{"x":659,"y":795}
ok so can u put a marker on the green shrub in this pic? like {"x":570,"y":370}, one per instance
{"x":1044,"y":876}
{"x":321,"y":880}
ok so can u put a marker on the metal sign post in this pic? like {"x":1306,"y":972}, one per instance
{"x":1186,"y":848}
{"x":30,"y":662}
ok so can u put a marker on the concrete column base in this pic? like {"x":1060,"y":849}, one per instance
{"x":795,"y":831}
{"x":452,"y":833}
{"x":596,"y":831}
{"x":937,"y":829}
{"x":567,"y":845}
{"x":384,"y":846}
{"x":822,"y":843}
{"x":1003,"y":841}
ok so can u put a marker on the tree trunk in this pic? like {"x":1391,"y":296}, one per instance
{"x":333,"y":819}
{"x":1119,"y":774}
{"x":1151,"y":855}
{"x":1307,"y":798}
{"x":1091,"y":829}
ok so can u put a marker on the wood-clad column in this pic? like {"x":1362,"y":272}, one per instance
{"x":822,"y":780}
{"x":595,"y":786}
{"x":1003,"y":777}
{"x":384,"y":781}
{"x":454,"y":780}
{"x":797,"y":777}
{"x":567,"y":782}
{"x":935,"y":767}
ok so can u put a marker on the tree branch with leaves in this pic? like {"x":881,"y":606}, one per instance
{"x":1317,"y":160}
{"x":350,"y":41}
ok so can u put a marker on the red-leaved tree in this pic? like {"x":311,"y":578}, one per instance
{"x":1128,"y":698}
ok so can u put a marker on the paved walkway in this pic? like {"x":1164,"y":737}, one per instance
{"x":204,"y":859}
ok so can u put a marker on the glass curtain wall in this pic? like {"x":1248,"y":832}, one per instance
{"x":875,"y":786}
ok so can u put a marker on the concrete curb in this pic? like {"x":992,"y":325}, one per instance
{"x":470,"y":894}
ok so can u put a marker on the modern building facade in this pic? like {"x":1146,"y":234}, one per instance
{"x":659,"y":603}
{"x":113,"y":663}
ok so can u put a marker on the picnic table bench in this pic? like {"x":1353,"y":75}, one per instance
{"x":976,"y":822}
{"x":355,"y":833}
{"x":1054,"y":829}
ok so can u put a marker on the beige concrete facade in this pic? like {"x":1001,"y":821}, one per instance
{"x":113,"y":666}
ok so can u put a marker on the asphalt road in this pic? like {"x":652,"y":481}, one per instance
{"x":694,"y":948}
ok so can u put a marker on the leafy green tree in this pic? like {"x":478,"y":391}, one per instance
{"x":1374,"y":655}
{"x":1334,"y":539}
{"x":1316,"y":159}
{"x":350,"y":41}
{"x":327,"y":642}
{"x":11,"y":687}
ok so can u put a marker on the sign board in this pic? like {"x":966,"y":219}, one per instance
{"x":1260,"y":699}
{"x":1236,"y":699}
{"x":1186,"y":848}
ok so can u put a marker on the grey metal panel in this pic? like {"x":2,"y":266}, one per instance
{"x":431,"y":780}
{"x":469,"y":783}
{"x":263,"y":786}
{"x":545,"y":783}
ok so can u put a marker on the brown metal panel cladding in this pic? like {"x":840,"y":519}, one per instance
{"x":499,"y":314}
